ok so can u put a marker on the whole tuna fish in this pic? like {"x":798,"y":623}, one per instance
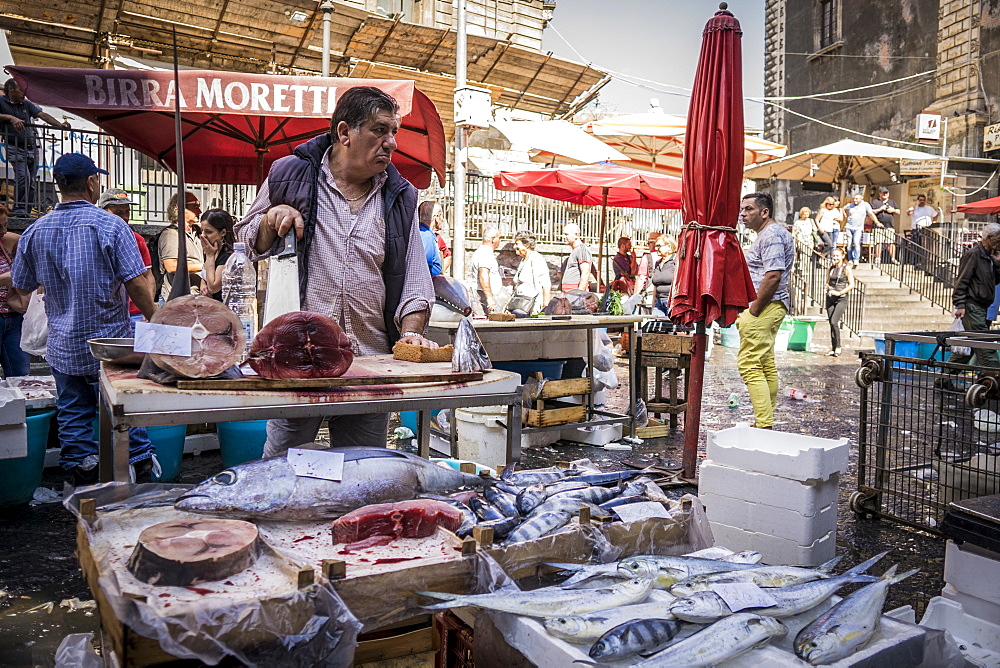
{"x":568,"y":505}
{"x":727,"y":638}
{"x":762,"y":576}
{"x":530,"y":498}
{"x":588,"y":627}
{"x":451,"y":294}
{"x":469,"y":355}
{"x":548,"y":601}
{"x":535,"y":476}
{"x":506,"y":503}
{"x":268,"y":489}
{"x":538,"y":526}
{"x":703,"y":607}
{"x":848,"y":625}
{"x":640,"y":636}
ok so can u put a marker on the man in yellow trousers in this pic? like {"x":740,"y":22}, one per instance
{"x":770,"y":259}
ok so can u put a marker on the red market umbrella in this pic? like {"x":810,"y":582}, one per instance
{"x":991,"y":205}
{"x":602,"y":184}
{"x":235,"y":124}
{"x":712,"y":281}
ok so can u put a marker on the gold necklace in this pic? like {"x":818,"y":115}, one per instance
{"x":355,"y":199}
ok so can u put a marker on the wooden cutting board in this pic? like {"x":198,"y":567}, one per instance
{"x":372,"y":370}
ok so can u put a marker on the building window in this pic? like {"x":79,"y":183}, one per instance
{"x":829,"y":25}
{"x":393,"y":7}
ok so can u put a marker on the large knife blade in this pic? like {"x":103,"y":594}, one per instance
{"x":282,"y":278}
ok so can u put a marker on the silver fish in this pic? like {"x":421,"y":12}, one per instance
{"x":507,"y":503}
{"x":502,"y":527}
{"x":703,"y":607}
{"x":563,"y":486}
{"x":848,"y":625}
{"x":548,"y":601}
{"x":762,"y":576}
{"x":744,"y":557}
{"x":533,"y":477}
{"x":681,"y":567}
{"x":583,"y":572}
{"x":451,"y":294}
{"x":727,"y":638}
{"x":595,"y":495}
{"x":530,"y":498}
{"x":538,"y":526}
{"x":485,"y":510}
{"x":268,"y":489}
{"x":569,"y":505}
{"x":589,"y":627}
{"x":469,"y":355}
{"x":641,"y":636}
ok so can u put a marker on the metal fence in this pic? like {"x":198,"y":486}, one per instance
{"x":148,"y":182}
{"x":808,"y":287}
{"x":928,"y":263}
{"x":928,"y":430}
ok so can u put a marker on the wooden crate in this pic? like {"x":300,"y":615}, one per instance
{"x":549,"y":414}
{"x":667,"y":343}
{"x":407,"y":638}
{"x":566,"y":387}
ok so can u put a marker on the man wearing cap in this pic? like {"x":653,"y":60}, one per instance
{"x":118,"y":202}
{"x":89,"y":264}
{"x":16,"y":114}
{"x":884,"y":232}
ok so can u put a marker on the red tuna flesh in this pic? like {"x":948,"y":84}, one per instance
{"x":406,"y":519}
{"x":301,"y":345}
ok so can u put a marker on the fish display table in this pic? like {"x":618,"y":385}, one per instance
{"x":533,"y":338}
{"x":128,"y":401}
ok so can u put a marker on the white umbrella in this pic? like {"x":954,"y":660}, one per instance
{"x":560,"y":138}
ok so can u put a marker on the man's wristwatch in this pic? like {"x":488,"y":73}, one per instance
{"x":408,"y":334}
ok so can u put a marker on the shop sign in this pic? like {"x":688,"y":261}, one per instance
{"x":908,"y":167}
{"x":991,"y":137}
{"x":929,"y":127}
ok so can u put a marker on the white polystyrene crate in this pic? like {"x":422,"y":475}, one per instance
{"x":973,"y":571}
{"x":976,"y":607}
{"x":11,"y":406}
{"x":805,"y":497}
{"x":977,"y":638}
{"x":770,"y":520}
{"x":13,"y":441}
{"x":599,"y":435}
{"x":778,"y":453}
{"x":775,"y":551}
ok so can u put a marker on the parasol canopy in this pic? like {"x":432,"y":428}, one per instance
{"x":991,"y":205}
{"x":846,"y":160}
{"x":235,"y":124}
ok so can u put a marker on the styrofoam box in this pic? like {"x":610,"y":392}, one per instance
{"x":976,"y":607}
{"x":978,"y":639}
{"x":805,"y":497}
{"x":601,"y":434}
{"x":770,"y":520}
{"x":774,"y":550}
{"x":13,"y":441}
{"x":972,"y":570}
{"x":778,"y":453}
{"x":11,"y":406}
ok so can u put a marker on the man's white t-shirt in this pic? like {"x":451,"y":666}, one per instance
{"x":923,"y":216}
{"x":486,"y":257}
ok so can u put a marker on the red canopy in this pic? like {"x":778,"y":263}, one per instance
{"x":991,"y":205}
{"x":235,"y":124}
{"x":713,"y":282}
{"x":586,"y":184}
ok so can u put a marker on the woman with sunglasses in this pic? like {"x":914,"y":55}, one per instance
{"x":662,"y":273}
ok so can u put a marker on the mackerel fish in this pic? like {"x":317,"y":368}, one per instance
{"x":848,"y":625}
{"x":538,"y":526}
{"x":727,"y":638}
{"x":548,"y":601}
{"x":704,"y":607}
{"x":639,"y":636}
{"x":762,"y":576}
{"x":586,"y":628}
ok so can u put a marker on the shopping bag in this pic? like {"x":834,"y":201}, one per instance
{"x":957,"y":326}
{"x":35,"y":328}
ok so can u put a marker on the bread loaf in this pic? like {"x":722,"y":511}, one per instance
{"x":411,"y":353}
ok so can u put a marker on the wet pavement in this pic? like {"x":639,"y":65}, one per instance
{"x":38,"y":566}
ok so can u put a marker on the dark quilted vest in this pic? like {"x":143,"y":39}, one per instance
{"x":292,"y":181}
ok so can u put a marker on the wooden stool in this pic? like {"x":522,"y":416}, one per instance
{"x":670,"y":355}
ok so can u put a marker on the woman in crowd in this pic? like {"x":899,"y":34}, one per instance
{"x":532,"y":283}
{"x":839,"y":282}
{"x":803,"y":228}
{"x":662,"y":273}
{"x":217,"y":241}
{"x":13,"y":360}
{"x":828,"y":224}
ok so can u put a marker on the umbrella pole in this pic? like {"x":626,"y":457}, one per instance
{"x":692,"y":414}
{"x":600,"y":247}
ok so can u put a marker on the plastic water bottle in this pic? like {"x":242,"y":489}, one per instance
{"x":796,"y":394}
{"x":239,"y":291}
{"x":733,"y":401}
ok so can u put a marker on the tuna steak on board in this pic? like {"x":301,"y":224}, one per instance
{"x":301,"y":345}
{"x":418,"y":518}
{"x":217,"y":336}
{"x":184,"y":552}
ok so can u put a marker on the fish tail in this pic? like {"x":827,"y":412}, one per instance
{"x":893,"y":579}
{"x":865,"y":565}
{"x":828,"y":566}
{"x":863,"y":579}
{"x":891,"y":573}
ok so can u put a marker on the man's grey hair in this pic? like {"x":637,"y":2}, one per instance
{"x":571,"y":228}
{"x":991,"y":230}
{"x":490,"y":232}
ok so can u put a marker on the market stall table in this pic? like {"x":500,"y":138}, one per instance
{"x":493,"y":334}
{"x":127,"y":401}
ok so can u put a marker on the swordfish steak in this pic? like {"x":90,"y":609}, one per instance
{"x":268,"y":489}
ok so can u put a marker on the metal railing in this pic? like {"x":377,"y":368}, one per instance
{"x":148,"y":182}
{"x":808,"y":287}
{"x":928,"y":264}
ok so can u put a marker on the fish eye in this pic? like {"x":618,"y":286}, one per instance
{"x":227,"y":477}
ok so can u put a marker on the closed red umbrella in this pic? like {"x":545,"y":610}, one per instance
{"x":235,"y":124}
{"x":991,"y":205}
{"x":712,"y":281}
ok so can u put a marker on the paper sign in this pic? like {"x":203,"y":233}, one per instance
{"x":162,"y":339}
{"x":741,"y":595}
{"x":633,"y":512}
{"x":321,"y":464}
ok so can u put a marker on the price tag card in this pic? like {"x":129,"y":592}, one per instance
{"x":162,"y":339}
{"x":741,"y":595}
{"x":644,"y":510}
{"x":321,"y":464}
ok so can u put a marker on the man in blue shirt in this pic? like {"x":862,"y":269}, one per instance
{"x":425,"y":213}
{"x":16,"y":113}
{"x":89,"y":264}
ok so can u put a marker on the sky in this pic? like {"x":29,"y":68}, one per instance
{"x":657,"y":40}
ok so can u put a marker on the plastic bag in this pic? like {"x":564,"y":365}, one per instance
{"x":604,"y":356}
{"x":956,"y":326}
{"x":605,"y":380}
{"x":641,"y":416}
{"x":77,"y":651}
{"x":35,"y":329}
